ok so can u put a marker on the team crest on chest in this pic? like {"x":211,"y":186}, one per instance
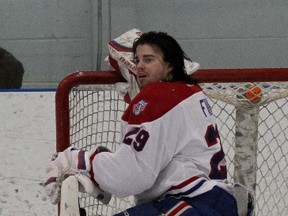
{"x":139,"y":107}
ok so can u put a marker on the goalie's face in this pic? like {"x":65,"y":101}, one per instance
{"x":150,"y":65}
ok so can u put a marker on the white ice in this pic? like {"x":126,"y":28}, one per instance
{"x":27,"y":141}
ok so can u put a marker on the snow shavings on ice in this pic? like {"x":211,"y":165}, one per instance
{"x":27,"y":141}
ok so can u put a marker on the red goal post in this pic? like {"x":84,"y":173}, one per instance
{"x":254,"y":132}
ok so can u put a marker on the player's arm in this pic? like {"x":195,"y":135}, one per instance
{"x":146,"y":148}
{"x":140,"y":157}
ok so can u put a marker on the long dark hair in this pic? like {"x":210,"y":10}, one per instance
{"x":171,"y":50}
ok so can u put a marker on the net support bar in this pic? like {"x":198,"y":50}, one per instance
{"x":246,"y":140}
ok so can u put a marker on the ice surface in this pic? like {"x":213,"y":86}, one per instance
{"x":27,"y":141}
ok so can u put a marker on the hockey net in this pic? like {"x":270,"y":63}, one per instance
{"x":254,"y":131}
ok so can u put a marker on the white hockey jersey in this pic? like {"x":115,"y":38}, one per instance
{"x":170,"y":146}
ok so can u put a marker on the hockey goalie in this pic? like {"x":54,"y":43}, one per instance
{"x":170,"y":156}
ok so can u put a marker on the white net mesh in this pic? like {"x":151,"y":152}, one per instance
{"x":254,"y":135}
{"x":94,"y":120}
